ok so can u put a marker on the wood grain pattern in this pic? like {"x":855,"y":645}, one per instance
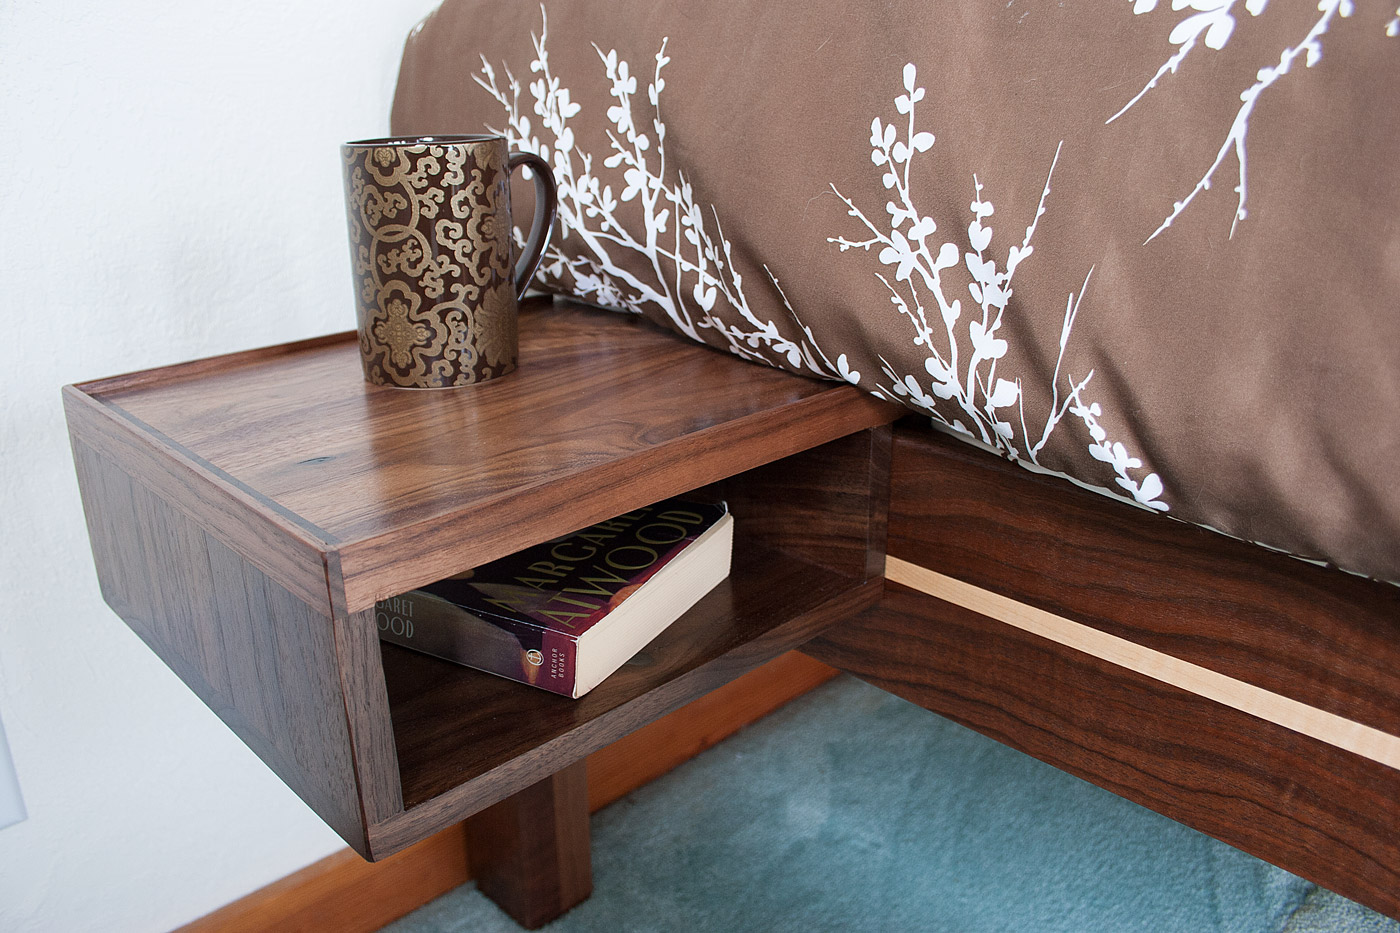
{"x":1380,"y":747}
{"x":256,"y":655}
{"x":1313,"y":809}
{"x":497,"y":740}
{"x":530,"y":853}
{"x":278,"y":543}
{"x":283,"y":472}
{"x":1315,"y":635}
{"x":454,"y":724}
{"x":365,"y":705}
{"x":465,"y":740}
{"x":826,"y":505}
{"x":605,"y":414}
{"x":1320,"y":638}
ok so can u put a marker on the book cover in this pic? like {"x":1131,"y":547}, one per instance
{"x":564,"y":614}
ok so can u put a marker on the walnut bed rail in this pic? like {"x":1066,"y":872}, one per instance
{"x":1249,"y":695}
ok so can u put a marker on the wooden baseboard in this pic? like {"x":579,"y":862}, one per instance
{"x":342,"y":893}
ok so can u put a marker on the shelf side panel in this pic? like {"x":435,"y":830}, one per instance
{"x":827,"y":506}
{"x":259,"y":657}
{"x":366,"y":707}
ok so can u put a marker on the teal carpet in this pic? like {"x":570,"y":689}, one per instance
{"x":850,"y":809}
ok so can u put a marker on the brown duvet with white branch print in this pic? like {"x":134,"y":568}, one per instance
{"x":1153,"y":247}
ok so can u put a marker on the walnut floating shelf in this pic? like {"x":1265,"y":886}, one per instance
{"x":246,"y":512}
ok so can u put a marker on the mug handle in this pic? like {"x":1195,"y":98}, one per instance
{"x":546,"y":206}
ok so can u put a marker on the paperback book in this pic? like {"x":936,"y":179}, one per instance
{"x":565,"y":614}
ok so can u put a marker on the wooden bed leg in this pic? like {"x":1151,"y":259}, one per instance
{"x":530,"y":852}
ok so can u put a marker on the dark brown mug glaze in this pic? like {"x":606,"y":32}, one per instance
{"x":430,"y":247}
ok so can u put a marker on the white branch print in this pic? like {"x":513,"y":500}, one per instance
{"x":965,"y":385}
{"x":687,"y":269}
{"x":1212,"y":23}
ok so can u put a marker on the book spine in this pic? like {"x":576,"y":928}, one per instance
{"x":434,"y":626}
{"x":560,"y":663}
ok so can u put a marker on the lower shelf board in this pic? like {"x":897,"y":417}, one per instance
{"x":344,"y":894}
{"x":462,"y":736}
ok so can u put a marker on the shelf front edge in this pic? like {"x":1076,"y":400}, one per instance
{"x":390,"y":563}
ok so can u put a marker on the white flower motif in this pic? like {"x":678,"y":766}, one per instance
{"x":1213,"y":24}
{"x":985,"y":346}
{"x":686,"y":270}
{"x":964,"y":390}
{"x":900,"y":254}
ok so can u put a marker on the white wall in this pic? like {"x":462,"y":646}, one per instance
{"x":169,"y":189}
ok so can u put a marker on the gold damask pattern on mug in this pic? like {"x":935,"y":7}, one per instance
{"x":400,"y":334}
{"x":496,"y":324}
{"x":402,"y":258}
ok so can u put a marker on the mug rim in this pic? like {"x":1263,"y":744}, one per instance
{"x":435,"y":139}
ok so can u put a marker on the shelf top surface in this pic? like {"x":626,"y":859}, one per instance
{"x":604,"y":413}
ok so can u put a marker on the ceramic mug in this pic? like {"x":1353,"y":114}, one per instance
{"x":436,"y":292}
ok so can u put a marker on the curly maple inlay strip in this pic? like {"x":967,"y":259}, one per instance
{"x":1363,"y":740}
